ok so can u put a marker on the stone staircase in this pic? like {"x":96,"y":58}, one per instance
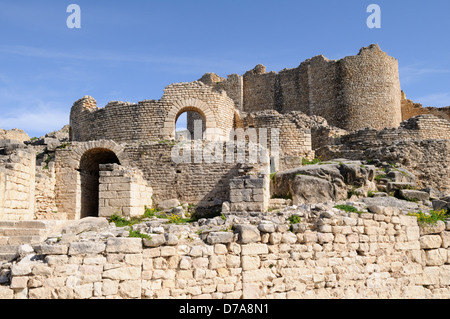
{"x":16,"y":233}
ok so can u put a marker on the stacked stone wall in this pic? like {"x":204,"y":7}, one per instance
{"x":17,"y":183}
{"x":151,"y":120}
{"x":122,"y":191}
{"x":352,"y":93}
{"x":373,"y":255}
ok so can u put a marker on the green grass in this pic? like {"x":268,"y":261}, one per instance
{"x":122,"y":222}
{"x":308,"y":162}
{"x":380,"y":177}
{"x":272,"y":176}
{"x":138,"y":234}
{"x":348,"y":209}
{"x":432,"y":217}
{"x":294,"y":219}
{"x":287,"y":196}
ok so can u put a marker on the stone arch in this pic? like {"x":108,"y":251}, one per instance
{"x":89,"y":173}
{"x":194,"y":105}
{"x":73,"y":170}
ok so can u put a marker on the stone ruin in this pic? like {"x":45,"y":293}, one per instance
{"x":252,"y":203}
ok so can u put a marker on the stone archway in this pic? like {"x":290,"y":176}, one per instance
{"x":73,"y":165}
{"x":193,"y":105}
{"x":89,"y":178}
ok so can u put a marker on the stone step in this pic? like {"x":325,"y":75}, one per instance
{"x":20,"y":240}
{"x":10,"y":232}
{"x":35,"y":224}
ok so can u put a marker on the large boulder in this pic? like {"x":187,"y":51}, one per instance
{"x":310,"y":189}
{"x":324,"y":182}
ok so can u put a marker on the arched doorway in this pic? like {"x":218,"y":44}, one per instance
{"x":189,"y":124}
{"x":89,"y":178}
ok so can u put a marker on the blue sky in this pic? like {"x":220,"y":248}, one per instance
{"x":130,"y":50}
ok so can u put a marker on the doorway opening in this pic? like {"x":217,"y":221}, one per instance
{"x":89,"y":178}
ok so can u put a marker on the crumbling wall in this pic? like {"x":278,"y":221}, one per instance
{"x":152,"y":120}
{"x":352,"y":93}
{"x":411,"y":109}
{"x":287,"y":140}
{"x":17,"y":168}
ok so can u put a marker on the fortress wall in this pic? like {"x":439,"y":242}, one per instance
{"x":119,"y":121}
{"x":151,"y":120}
{"x":353,"y":93}
{"x":234,"y":86}
{"x":17,"y":184}
{"x":382,"y":255}
{"x":370,"y":90}
{"x":294,"y":89}
{"x":259,"y":90}
{"x":323,"y":86}
{"x":292,"y":139}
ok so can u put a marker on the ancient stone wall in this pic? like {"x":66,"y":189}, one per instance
{"x":383,"y":254}
{"x":202,"y":178}
{"x":286,"y":139}
{"x":122,"y":191}
{"x":370,"y":90}
{"x":351,"y":93}
{"x":421,"y":127}
{"x":250,"y":194}
{"x":17,"y":183}
{"x":152,"y":120}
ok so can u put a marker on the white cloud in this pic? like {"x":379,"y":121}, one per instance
{"x":412,"y":73}
{"x":36,"y":122}
{"x":435,"y":99}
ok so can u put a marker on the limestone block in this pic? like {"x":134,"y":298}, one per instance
{"x":445,"y":235}
{"x":86,"y":248}
{"x":258,"y":275}
{"x":123,"y":273}
{"x":124,"y":245}
{"x":430,"y":229}
{"x":168,"y":251}
{"x":289,"y":238}
{"x":39,"y":293}
{"x":250,"y":262}
{"x":431,"y":276}
{"x":430,"y":241}
{"x":217,"y":261}
{"x":436,"y":257}
{"x":130,"y":289}
{"x":6,"y":293}
{"x":254,"y":249}
{"x":219,"y":238}
{"x":247,"y":234}
{"x":53,"y":249}
{"x":19,"y":282}
{"x":444,"y":275}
